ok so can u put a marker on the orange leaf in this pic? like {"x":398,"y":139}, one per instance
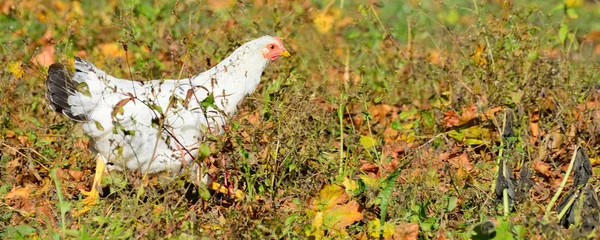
{"x":329,"y":196}
{"x":46,"y":57}
{"x":111,"y":50}
{"x":452,"y":119}
{"x":19,"y":192}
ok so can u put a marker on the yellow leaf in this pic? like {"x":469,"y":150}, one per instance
{"x":374,"y":228}
{"x":574,"y":3}
{"x":370,"y":181}
{"x":16,"y":69}
{"x":318,"y":220}
{"x":329,"y":196}
{"x":388,"y":230}
{"x":323,"y":23}
{"x":367,"y":142}
{"x":349,"y":184}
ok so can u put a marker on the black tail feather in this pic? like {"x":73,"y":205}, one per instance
{"x":59,"y":88}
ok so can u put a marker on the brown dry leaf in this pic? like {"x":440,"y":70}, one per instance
{"x":462,"y":162}
{"x":542,"y":168}
{"x":390,"y":135}
{"x":44,"y":214}
{"x":12,"y":165}
{"x":406,"y":231}
{"x":19,"y":192}
{"x":76,"y":175}
{"x":6,"y":5}
{"x":46,"y":57}
{"x":490,"y":113}
{"x":369,"y":167}
{"x":452,"y":119}
{"x":18,"y":198}
{"x":534,"y":126}
{"x":253,"y":119}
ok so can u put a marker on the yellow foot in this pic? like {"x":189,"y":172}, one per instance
{"x":91,"y":197}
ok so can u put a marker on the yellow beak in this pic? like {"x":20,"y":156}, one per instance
{"x":285,"y":54}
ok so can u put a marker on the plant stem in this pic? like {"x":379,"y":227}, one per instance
{"x":562,"y":185}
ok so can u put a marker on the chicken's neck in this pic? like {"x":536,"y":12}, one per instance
{"x":233,"y":79}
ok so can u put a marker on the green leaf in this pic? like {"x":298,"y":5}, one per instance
{"x":386,"y":193}
{"x":203,"y":151}
{"x":209,"y":101}
{"x":84,"y":89}
{"x":396,"y":125}
{"x":562,"y":33}
{"x":99,"y":126}
{"x":203,"y":192}
{"x":572,"y":13}
{"x":452,"y":203}
{"x":410,"y":113}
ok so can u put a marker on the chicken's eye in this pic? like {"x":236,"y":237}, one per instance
{"x":271,"y":46}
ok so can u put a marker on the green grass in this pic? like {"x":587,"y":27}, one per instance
{"x":366,"y":100}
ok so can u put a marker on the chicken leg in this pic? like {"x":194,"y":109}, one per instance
{"x":92,"y":196}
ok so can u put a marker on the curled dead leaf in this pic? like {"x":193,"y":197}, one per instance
{"x":542,"y":168}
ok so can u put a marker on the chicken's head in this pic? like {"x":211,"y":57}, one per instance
{"x":274,"y":48}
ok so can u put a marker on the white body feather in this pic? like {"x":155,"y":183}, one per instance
{"x":134,"y":138}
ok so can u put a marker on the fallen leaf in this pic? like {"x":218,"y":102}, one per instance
{"x":369,"y":167}
{"x":19,"y":192}
{"x":341,"y":216}
{"x":462,"y":161}
{"x":46,"y":57}
{"x":6,"y":6}
{"x":349,"y":184}
{"x":19,"y":198}
{"x":452,"y":119}
{"x":368,"y":142}
{"x":76,"y":175}
{"x":542,"y":168}
{"x":328,"y":197}
{"x":111,"y":50}
{"x":406,"y":231}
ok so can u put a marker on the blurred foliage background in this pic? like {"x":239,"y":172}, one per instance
{"x":388,"y":121}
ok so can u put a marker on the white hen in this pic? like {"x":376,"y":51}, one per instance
{"x":156,"y":125}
